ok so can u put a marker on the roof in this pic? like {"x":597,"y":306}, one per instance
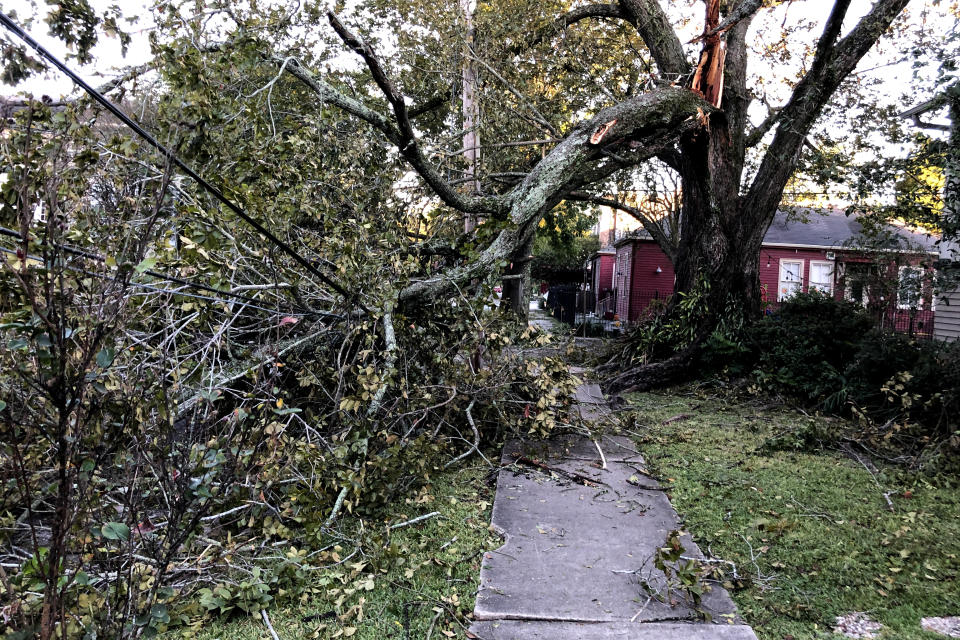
{"x":633,"y":236}
{"x":834,"y":229}
{"x":830,"y":229}
{"x":605,"y":251}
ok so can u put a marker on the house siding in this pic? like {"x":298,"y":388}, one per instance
{"x":602,"y":284}
{"x":646,"y":284}
{"x":622,"y":279}
{"x":947,"y":321}
{"x":770,"y":258}
{"x":603,"y":268}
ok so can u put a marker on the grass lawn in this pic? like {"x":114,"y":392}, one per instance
{"x":429,"y":577}
{"x":809,"y":530}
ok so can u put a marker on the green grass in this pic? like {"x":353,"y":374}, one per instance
{"x":430,"y":576}
{"x":823,"y":539}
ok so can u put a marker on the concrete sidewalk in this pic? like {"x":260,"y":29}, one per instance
{"x":580,"y":530}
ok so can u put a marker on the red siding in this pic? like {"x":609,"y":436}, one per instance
{"x":770,"y":258}
{"x":646,"y":283}
{"x":603,"y":284}
{"x":638,"y":283}
{"x":606,"y":272}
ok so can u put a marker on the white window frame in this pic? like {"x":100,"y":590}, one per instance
{"x":811,"y":285}
{"x":916,"y":301}
{"x":39,"y":213}
{"x":784,"y":295}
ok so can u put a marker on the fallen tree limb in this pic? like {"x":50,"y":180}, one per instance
{"x":263,"y":356}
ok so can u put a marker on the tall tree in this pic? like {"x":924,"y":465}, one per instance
{"x":726,"y":210}
{"x":574,"y":96}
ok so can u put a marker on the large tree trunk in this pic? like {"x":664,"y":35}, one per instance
{"x":722,"y":224}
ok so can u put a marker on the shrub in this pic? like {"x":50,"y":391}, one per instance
{"x":906,"y":388}
{"x":805,"y":348}
{"x":904,"y":394}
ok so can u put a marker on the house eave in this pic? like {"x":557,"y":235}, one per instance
{"x":787,"y":245}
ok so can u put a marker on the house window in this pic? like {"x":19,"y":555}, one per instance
{"x":821,"y":277}
{"x":791,"y":278}
{"x":909,"y":286}
{"x":861,"y":278}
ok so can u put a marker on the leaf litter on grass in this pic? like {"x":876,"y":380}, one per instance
{"x":808,"y":527}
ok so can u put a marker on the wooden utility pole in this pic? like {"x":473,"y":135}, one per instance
{"x":470,"y":110}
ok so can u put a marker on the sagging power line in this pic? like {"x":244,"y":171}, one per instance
{"x":14,"y":28}
{"x":162,"y":276}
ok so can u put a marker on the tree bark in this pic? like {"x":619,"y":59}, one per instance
{"x":722,"y":227}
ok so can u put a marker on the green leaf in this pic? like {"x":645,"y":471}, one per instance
{"x":145,"y":265}
{"x":3,"y":405}
{"x":105,"y":357}
{"x":159,"y":613}
{"x":115,"y":531}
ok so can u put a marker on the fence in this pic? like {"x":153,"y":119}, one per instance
{"x":917,"y":323}
{"x":607,"y":305}
{"x":645,"y":303}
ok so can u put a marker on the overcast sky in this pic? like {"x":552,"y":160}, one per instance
{"x":108,"y":57}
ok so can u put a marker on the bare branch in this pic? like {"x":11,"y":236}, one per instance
{"x":832,"y":63}
{"x":537,"y":116}
{"x":408,"y":148}
{"x":431,"y":104}
{"x":649,"y":223}
{"x":402,"y":135}
{"x":756,"y":134}
{"x":654,"y":27}
{"x":376,"y":70}
{"x":570,"y":18}
{"x":745,"y":10}
{"x":831,"y":31}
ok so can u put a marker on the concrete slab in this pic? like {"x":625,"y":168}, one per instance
{"x":591,"y":413}
{"x":580,"y":532}
{"x":541,"y":630}
{"x":574,"y":447}
{"x":577,"y":553}
{"x":589,"y":393}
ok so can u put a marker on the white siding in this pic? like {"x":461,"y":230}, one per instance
{"x":946,"y":324}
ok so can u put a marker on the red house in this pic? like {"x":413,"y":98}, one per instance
{"x":803,"y":250}
{"x":642,"y":275}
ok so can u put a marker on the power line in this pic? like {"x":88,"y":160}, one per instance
{"x":14,"y":28}
{"x":247,"y":302}
{"x":156,"y":274}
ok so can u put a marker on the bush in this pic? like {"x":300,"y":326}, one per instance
{"x":805,"y":348}
{"x":910,"y":387}
{"x":904,"y":394}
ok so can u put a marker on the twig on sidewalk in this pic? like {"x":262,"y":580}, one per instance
{"x":603,"y":458}
{"x":570,"y":475}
